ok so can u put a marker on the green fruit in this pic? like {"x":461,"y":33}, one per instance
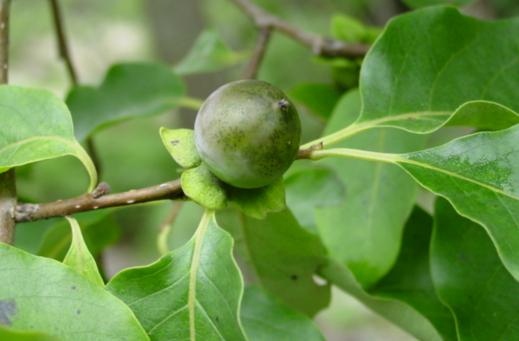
{"x":247,"y":133}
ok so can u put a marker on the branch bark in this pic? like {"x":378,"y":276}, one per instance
{"x":64,"y":52}
{"x":63,"y":48}
{"x":7,"y":179}
{"x":251,"y":71}
{"x":319,"y":45}
{"x":98,"y":199}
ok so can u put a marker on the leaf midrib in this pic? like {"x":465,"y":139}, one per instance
{"x":193,"y":270}
{"x":403,"y":160}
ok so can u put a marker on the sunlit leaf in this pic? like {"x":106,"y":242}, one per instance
{"x":40,"y":294}
{"x":465,"y":69}
{"x":9,"y":334}
{"x":192,"y":293}
{"x":478,"y":174}
{"x":79,"y":258}
{"x":37,"y":126}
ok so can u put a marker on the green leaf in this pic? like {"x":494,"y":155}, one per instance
{"x":364,"y":232}
{"x":318,"y":98}
{"x":37,"y":126}
{"x":419,"y":85}
{"x":283,"y":258}
{"x":424,"y":3}
{"x":350,"y":29}
{"x":479,"y":175}
{"x":79,"y":258}
{"x":40,"y":294}
{"x":99,"y":229}
{"x":410,"y":279}
{"x":309,"y":188}
{"x":9,"y":334}
{"x":128,"y":90}
{"x":395,"y":311}
{"x":200,"y":185}
{"x":206,"y":189}
{"x":258,"y":202}
{"x":471,"y":279}
{"x":484,"y":115}
{"x":192,"y":293}
{"x":266,"y":319}
{"x":208,"y":54}
{"x":460,"y":63}
{"x":180,"y":143}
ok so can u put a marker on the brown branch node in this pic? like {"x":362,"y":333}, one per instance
{"x":307,"y":152}
{"x":251,"y":71}
{"x":325,"y":47}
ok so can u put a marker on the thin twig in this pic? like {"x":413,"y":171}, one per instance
{"x":252,"y":68}
{"x":306,"y":153}
{"x":7,"y":206}
{"x":64,"y":50}
{"x":100,"y":198}
{"x":94,"y":155}
{"x":96,"y":200}
{"x":320,"y":46}
{"x":7,"y":179}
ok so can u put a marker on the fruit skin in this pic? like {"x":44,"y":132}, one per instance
{"x":247,"y":132}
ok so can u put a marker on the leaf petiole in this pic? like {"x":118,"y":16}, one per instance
{"x":190,"y":103}
{"x":356,"y":154}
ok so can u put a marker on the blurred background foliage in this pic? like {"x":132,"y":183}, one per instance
{"x":105,"y":32}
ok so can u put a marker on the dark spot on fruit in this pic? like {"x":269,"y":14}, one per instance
{"x":7,"y":310}
{"x":294,"y":277}
{"x":174,"y":142}
{"x":283,"y":104}
{"x":73,"y":287}
{"x":78,"y":311}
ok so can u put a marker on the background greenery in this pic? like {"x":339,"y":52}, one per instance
{"x":105,"y":32}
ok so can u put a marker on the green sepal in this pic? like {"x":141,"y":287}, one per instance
{"x":200,"y":185}
{"x":258,"y":202}
{"x":203,"y":187}
{"x":180,"y":143}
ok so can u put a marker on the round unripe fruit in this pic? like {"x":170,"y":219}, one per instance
{"x":247,"y":133}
